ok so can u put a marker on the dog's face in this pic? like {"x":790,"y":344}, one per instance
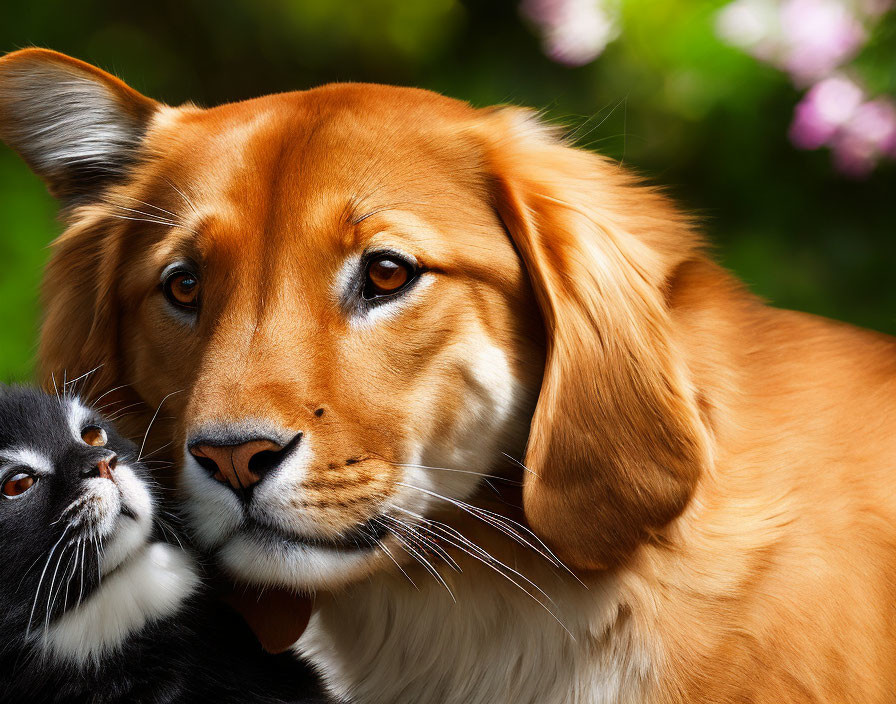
{"x":343,"y":310}
{"x":350,"y":300}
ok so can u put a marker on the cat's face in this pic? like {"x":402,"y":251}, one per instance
{"x":74,"y":506}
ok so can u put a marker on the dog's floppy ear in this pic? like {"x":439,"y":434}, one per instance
{"x":616,"y":443}
{"x":76,"y":126}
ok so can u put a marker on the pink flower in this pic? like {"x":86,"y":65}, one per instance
{"x":868,"y":136}
{"x":574,"y":32}
{"x":875,"y":8}
{"x":825,"y":108}
{"x":819,"y":35}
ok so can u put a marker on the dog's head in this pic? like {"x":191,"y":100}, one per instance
{"x":364,"y":298}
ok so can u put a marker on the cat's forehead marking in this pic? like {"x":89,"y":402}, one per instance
{"x":77,"y":416}
{"x":26,"y":457}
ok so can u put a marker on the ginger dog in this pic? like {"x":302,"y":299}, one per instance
{"x":481,"y":393}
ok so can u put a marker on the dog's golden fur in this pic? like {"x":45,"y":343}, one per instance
{"x":728,"y":465}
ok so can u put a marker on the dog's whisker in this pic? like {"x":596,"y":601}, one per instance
{"x":147,"y":215}
{"x":411,"y":550}
{"x":186,"y":200}
{"x":154,"y":207}
{"x":388,"y":554}
{"x":501,"y":523}
{"x":428,"y":544}
{"x":516,"y":461}
{"x":152,"y":221}
{"x":459,"y":471}
{"x":428,"y":522}
{"x":453,"y":537}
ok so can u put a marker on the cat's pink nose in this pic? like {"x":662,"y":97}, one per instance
{"x":102,"y":469}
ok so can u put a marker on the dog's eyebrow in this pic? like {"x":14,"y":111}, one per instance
{"x":354,"y":220}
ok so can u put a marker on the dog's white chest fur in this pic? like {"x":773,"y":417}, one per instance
{"x":385,"y":641}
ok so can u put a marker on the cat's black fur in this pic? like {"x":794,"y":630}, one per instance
{"x":49,"y":567}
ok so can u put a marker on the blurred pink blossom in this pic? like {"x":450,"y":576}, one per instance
{"x":574,"y":32}
{"x":825,"y":108}
{"x":806,"y":38}
{"x":875,"y":8}
{"x":860,"y":132}
{"x":751,"y":25}
{"x":820,"y":35}
{"x":869,"y":136}
{"x":810,"y":40}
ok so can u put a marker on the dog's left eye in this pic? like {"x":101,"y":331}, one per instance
{"x":94,"y":435}
{"x":387,"y":275}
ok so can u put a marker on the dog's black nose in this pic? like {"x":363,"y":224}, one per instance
{"x":241,"y":464}
{"x":100,"y":468}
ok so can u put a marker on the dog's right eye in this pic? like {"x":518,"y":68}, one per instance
{"x":17,"y":485}
{"x":181,"y":288}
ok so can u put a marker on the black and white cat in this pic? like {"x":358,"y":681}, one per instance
{"x":95,"y":606}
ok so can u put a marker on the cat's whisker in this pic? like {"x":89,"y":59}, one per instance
{"x":158,"y":449}
{"x":83,"y":564}
{"x":152,"y":420}
{"x":50,"y":598}
{"x":73,"y":382}
{"x":95,"y":401}
{"x":41,"y":580}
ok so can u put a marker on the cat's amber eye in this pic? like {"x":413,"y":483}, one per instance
{"x":17,"y":485}
{"x":387,"y":275}
{"x":94,"y":435}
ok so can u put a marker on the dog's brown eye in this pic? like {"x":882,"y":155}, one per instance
{"x":17,"y":485}
{"x":182,"y":289}
{"x":94,"y":435}
{"x":386,"y":275}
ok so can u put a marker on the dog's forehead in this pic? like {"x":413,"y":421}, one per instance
{"x":333,"y":133}
{"x":312,"y":165}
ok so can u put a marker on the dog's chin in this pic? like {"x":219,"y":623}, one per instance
{"x":269,"y":559}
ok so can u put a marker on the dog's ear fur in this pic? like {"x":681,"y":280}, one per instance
{"x":616,"y":443}
{"x":76,"y":126}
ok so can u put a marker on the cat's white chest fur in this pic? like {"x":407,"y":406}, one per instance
{"x":383,"y":641}
{"x":152,"y":585}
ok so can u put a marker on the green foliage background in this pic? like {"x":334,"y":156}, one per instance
{"x":667,"y":98}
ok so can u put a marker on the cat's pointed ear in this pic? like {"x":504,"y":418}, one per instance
{"x":76,"y":126}
{"x":617,"y":442}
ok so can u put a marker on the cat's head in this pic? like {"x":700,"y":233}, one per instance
{"x":75,"y":507}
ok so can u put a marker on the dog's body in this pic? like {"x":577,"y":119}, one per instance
{"x":371,"y":296}
{"x":776,"y":554}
